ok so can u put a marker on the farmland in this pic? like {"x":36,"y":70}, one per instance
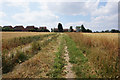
{"x":9,"y":35}
{"x":99,"y":52}
{"x":60,"y":55}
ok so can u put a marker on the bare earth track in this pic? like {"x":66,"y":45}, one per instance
{"x":68,"y":67}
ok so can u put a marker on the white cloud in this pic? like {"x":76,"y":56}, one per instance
{"x":2,"y":14}
{"x":99,"y":23}
{"x":110,"y":8}
{"x":61,"y":0}
{"x":18,"y":4}
{"x":43,"y":17}
{"x":72,"y":8}
{"x":35,"y":16}
{"x":103,"y":17}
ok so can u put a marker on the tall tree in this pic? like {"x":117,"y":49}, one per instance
{"x":60,"y":28}
{"x":71,"y":29}
{"x":83,"y":28}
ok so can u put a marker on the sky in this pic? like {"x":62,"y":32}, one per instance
{"x":96,"y":15}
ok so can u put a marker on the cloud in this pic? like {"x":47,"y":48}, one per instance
{"x":41,"y":17}
{"x":105,"y":17}
{"x":35,"y":16}
{"x":2,"y":14}
{"x":72,"y":8}
{"x":49,"y":13}
{"x":18,"y":4}
{"x":99,"y":23}
{"x":109,"y":9}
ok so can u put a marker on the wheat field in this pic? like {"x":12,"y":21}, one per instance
{"x":92,"y":55}
{"x":9,"y":35}
{"x":101,"y":49}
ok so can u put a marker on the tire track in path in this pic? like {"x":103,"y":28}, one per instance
{"x":68,"y":67}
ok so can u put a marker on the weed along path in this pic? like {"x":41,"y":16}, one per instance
{"x":68,"y":67}
{"x":39,"y":65}
{"x":26,"y":47}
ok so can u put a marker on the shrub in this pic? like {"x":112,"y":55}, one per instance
{"x":8,"y":62}
{"x":36,"y":47}
{"x":21,"y":57}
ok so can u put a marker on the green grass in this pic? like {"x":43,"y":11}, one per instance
{"x":58,"y":66}
{"x":79,"y":61}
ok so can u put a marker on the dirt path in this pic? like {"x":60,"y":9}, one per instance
{"x":68,"y":67}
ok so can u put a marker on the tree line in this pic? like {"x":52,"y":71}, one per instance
{"x":59,"y":29}
{"x":108,"y":31}
{"x":83,"y":29}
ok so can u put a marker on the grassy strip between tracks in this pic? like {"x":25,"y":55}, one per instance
{"x":79,"y":61}
{"x":59,"y":62}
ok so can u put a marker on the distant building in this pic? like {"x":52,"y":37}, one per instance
{"x":30,"y":28}
{"x":9,"y":27}
{"x":42,"y":28}
{"x":65,"y":30}
{"x":77,"y":28}
{"x":19,"y":28}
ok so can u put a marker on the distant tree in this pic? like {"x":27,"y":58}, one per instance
{"x":32,"y":30}
{"x":114,"y":31}
{"x":47,"y":30}
{"x":52,"y":30}
{"x":7,"y":29}
{"x":97,"y":32}
{"x":71,"y":29}
{"x":102,"y":31}
{"x":0,"y":28}
{"x":107,"y":31}
{"x":44,"y":30}
{"x":36,"y":29}
{"x":88,"y":30}
{"x":60,"y":28}
{"x":83,"y":28}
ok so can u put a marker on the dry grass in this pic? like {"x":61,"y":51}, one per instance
{"x":18,"y":55}
{"x":102,"y":51}
{"x":9,"y":35}
{"x":39,"y":65}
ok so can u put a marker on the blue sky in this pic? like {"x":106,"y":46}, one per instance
{"x":93,"y":15}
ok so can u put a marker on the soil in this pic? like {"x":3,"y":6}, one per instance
{"x":68,"y":67}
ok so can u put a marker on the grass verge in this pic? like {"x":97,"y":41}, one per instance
{"x":79,"y":61}
{"x":58,"y":66}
